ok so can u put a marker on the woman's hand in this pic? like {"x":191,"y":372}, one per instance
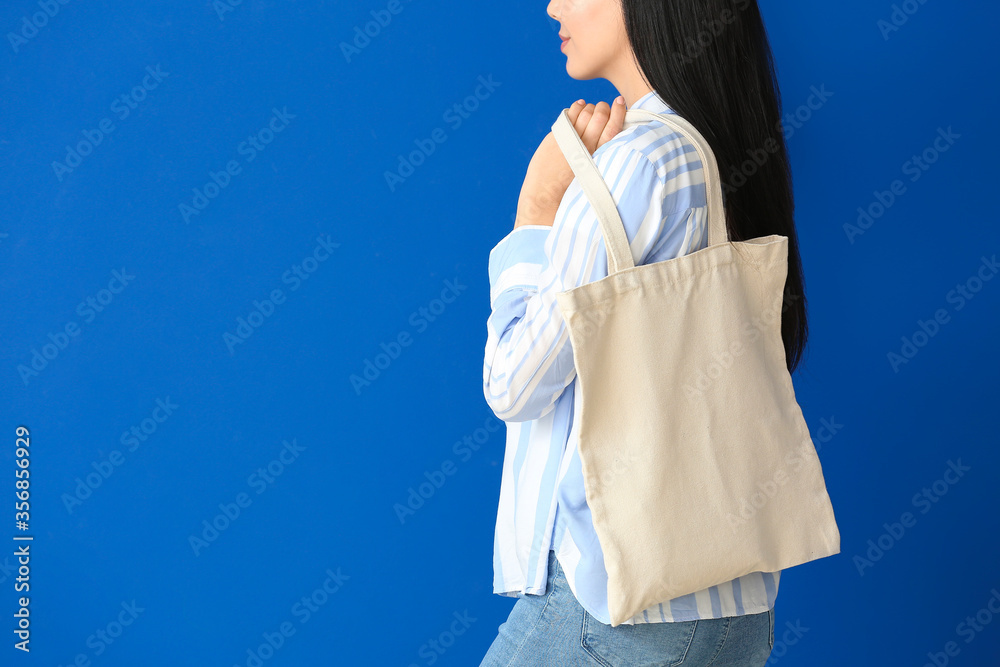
{"x":549,"y":174}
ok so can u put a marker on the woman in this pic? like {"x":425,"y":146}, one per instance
{"x":708,"y":61}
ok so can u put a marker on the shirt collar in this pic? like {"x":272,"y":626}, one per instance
{"x":652,"y":101}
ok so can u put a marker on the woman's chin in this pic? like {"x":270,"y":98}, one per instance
{"x":578,"y":73}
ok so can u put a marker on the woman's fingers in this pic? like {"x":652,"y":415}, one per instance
{"x":584,"y":119}
{"x":595,"y":128}
{"x":597,"y":123}
{"x":574,"y":111}
{"x":615,"y":124}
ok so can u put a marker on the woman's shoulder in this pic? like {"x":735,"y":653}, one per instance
{"x":665,"y":160}
{"x":667,"y":149}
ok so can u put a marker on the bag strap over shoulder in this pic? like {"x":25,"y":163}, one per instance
{"x":613,"y":229}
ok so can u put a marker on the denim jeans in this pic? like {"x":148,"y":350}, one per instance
{"x":553,"y":629}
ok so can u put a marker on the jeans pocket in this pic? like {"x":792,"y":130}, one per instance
{"x":639,"y":645}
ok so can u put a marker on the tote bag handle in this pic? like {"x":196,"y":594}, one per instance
{"x":585,"y":169}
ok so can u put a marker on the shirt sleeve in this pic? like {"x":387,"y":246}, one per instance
{"x":529,"y":358}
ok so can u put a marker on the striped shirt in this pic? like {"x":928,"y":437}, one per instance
{"x":658,"y":185}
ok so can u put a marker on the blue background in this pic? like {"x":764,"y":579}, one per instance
{"x":360,"y":452}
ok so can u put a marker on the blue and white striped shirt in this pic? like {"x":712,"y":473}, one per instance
{"x":658,"y":185}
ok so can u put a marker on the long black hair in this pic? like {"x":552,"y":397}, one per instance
{"x":710,"y":60}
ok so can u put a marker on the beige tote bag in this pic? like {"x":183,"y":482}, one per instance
{"x":697,"y":462}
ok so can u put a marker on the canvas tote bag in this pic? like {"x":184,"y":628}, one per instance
{"x":697,"y":461}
